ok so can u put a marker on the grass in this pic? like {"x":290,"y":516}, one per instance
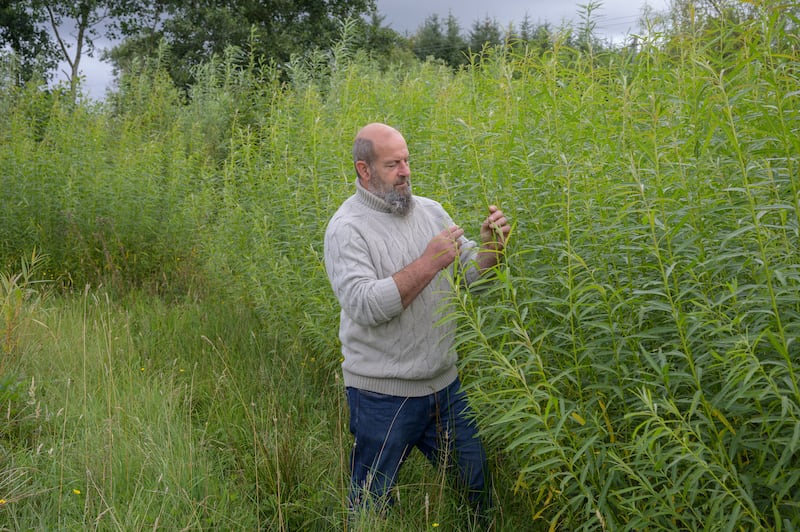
{"x":633,"y":364}
{"x":187,"y":415}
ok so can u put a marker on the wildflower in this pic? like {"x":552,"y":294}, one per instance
{"x":76,"y":491}
{"x":2,"y":502}
{"x":435,"y":525}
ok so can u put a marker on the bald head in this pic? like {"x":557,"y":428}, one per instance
{"x":370,"y":139}
{"x":376,"y":130}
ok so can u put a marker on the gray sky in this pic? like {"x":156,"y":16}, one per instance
{"x":614,"y":19}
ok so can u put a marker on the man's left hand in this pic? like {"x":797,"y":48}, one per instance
{"x":495,"y":230}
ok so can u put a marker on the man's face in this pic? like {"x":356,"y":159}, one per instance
{"x":390,"y":175}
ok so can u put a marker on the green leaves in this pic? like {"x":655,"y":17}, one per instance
{"x":633,"y":360}
{"x":662,"y":293}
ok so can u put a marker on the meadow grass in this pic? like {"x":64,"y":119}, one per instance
{"x":129,"y":413}
{"x":632,"y":361}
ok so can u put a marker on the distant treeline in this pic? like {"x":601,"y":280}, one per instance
{"x":37,"y":35}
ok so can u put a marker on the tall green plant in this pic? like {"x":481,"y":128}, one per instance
{"x":636,"y":350}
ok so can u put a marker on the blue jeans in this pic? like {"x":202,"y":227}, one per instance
{"x":387,"y":428}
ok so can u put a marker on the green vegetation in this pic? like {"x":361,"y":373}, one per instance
{"x":169,"y":353}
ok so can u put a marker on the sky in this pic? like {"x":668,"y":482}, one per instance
{"x":613,"y":17}
{"x":614,"y":20}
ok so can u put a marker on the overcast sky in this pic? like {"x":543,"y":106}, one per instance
{"x":617,"y":17}
{"x":614,"y":19}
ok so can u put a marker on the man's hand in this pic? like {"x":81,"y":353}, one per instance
{"x":494,"y":235}
{"x":444,"y":248}
{"x":440,"y":253}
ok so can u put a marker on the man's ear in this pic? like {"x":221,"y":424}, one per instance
{"x":363,"y":170}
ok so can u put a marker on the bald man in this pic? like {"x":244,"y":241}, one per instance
{"x":386,"y":254}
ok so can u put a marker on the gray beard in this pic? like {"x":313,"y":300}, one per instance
{"x":398,"y":203}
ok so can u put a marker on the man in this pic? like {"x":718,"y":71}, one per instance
{"x":385,"y":253}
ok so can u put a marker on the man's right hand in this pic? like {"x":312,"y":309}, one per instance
{"x":440,"y":253}
{"x":444,"y":248}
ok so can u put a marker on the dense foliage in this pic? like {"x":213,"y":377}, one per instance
{"x":633,"y":363}
{"x":273,"y":30}
{"x":40,"y":33}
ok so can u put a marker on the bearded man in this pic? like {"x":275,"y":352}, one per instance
{"x":388,"y":254}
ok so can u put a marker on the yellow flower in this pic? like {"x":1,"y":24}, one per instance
{"x":2,"y":502}
{"x":435,"y":525}
{"x":76,"y":492}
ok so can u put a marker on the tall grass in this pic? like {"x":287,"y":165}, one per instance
{"x":632,"y":362}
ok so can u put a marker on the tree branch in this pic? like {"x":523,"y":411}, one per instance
{"x":61,"y":44}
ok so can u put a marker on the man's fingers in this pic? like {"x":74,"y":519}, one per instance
{"x":499,"y":222}
{"x":452,"y":233}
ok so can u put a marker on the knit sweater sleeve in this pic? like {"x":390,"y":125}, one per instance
{"x":367,"y":298}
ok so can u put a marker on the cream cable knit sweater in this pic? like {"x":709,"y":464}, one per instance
{"x":387,"y":349}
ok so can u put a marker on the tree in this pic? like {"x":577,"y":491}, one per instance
{"x":530,"y":37}
{"x":383,"y":43}
{"x":485,"y":32}
{"x":446,"y":44}
{"x":271,"y":30}
{"x":456,"y":45}
{"x":84,"y":17}
{"x":22,"y":32}
{"x":526,"y":28}
{"x":43,"y":32}
{"x":429,"y":40}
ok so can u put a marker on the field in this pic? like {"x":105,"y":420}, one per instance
{"x":169,"y":353}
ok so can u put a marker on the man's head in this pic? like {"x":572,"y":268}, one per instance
{"x":380,"y":155}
